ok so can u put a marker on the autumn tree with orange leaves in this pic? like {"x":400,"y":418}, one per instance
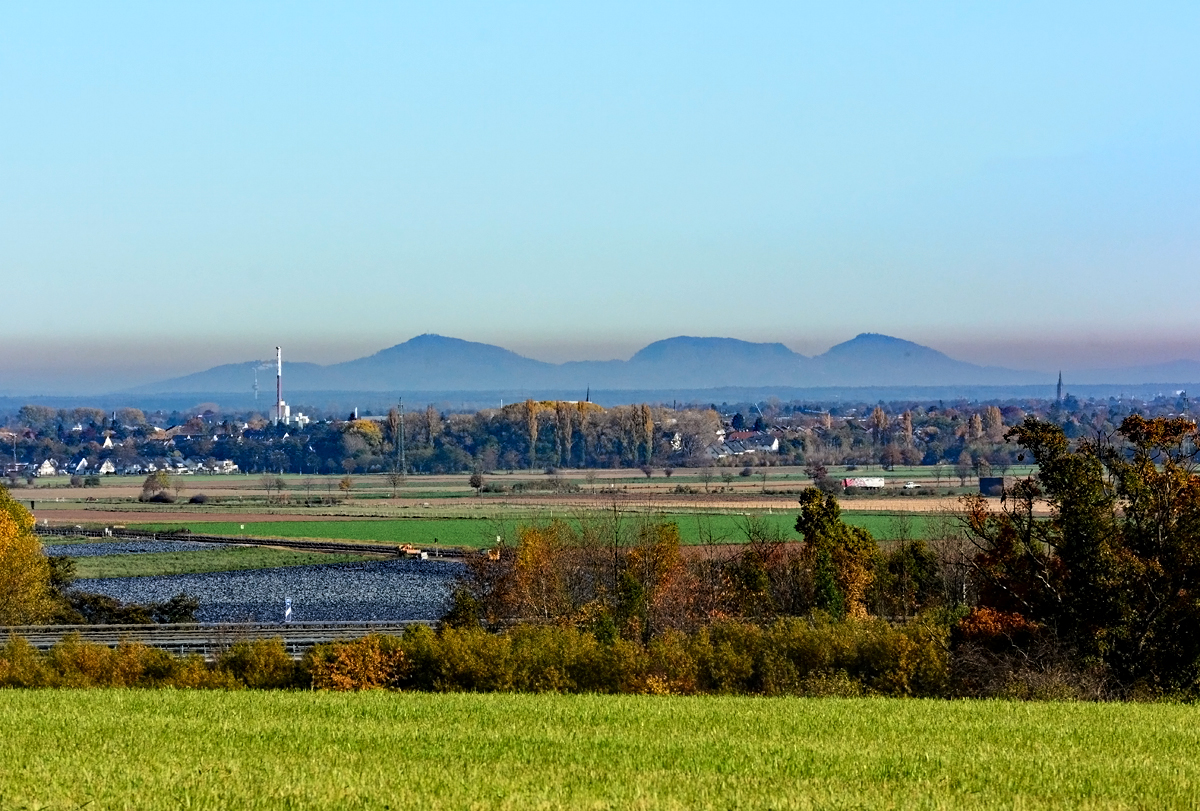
{"x":26,"y":596}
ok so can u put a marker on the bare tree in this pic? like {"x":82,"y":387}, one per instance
{"x":954,"y":554}
{"x":267,"y":482}
{"x":963,"y":468}
{"x":706,"y":476}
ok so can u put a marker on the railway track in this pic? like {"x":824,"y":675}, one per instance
{"x":207,"y":640}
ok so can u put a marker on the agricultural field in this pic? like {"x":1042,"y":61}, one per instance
{"x":373,"y":492}
{"x":694,"y":528}
{"x":227,"y":559}
{"x":230,"y":750}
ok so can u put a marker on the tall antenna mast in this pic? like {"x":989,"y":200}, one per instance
{"x":278,"y":385}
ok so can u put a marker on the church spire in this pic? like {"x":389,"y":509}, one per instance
{"x":1060,"y":387}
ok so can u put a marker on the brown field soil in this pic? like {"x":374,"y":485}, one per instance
{"x":110,"y":517}
{"x":110,"y":514}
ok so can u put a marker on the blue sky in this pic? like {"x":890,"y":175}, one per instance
{"x":185,"y":185}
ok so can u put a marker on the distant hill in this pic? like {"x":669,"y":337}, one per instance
{"x":436,"y":363}
{"x":870,"y":359}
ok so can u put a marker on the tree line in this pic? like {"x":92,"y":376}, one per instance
{"x":958,"y":439}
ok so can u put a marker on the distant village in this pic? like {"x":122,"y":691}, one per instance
{"x":963,"y":438}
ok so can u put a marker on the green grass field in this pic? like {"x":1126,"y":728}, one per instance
{"x":475,"y":533}
{"x":226,"y":750}
{"x":216,"y":560}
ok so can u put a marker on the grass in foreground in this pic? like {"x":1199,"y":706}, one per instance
{"x":157,"y":564}
{"x":476,"y":533}
{"x":166,"y":750}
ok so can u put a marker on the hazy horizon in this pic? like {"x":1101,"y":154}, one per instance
{"x":182,"y":187}
{"x":105,"y":373}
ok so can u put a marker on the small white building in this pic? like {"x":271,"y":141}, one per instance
{"x":46,"y":468}
{"x":106,"y":467}
{"x":81,"y":466}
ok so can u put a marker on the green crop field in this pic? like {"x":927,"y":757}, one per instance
{"x":480,"y":532}
{"x":215,"y":560}
{"x":228,"y":750}
{"x":421,"y":532}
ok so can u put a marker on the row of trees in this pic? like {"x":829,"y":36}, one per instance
{"x":962,"y":439}
{"x":1101,"y":598}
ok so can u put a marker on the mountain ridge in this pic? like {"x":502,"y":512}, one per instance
{"x":431,"y":362}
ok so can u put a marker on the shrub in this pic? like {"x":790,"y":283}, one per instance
{"x":260,"y":664}
{"x":825,"y":684}
{"x":829,"y":486}
{"x":21,"y":665}
{"x":199,"y":498}
{"x":815,"y":656}
{"x":369,"y":663}
{"x":75,"y":663}
{"x":100,"y":609}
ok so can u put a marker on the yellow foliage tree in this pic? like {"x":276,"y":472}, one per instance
{"x":541,"y":587}
{"x":369,"y":430}
{"x":25,"y":594}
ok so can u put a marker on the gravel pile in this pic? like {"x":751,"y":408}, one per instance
{"x":386,"y":590}
{"x":87,"y":550}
